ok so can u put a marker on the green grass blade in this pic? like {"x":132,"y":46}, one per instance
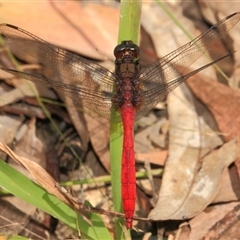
{"x":22,"y":187}
{"x":130,"y":15}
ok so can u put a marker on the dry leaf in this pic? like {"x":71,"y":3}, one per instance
{"x":230,"y":186}
{"x":83,"y":27}
{"x":204,"y":188}
{"x":191,"y":137}
{"x":205,"y":221}
{"x":222,"y":101}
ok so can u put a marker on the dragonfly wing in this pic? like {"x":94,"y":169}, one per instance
{"x":81,"y":80}
{"x":170,"y":71}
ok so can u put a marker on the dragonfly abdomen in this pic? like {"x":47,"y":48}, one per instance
{"x":128,"y":164}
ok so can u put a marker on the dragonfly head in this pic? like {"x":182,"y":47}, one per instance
{"x":127,"y":52}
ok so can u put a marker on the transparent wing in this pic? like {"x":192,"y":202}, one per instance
{"x":82,"y":80}
{"x":170,"y":71}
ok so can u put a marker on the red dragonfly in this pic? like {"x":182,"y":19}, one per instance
{"x":132,"y":92}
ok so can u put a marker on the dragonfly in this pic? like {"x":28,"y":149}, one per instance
{"x":130,"y":91}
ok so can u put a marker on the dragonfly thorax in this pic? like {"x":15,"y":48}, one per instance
{"x":127,"y":70}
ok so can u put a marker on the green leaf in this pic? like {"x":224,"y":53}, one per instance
{"x":22,"y":187}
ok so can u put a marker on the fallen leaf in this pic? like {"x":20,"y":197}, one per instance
{"x":204,"y":188}
{"x":222,"y":101}
{"x":230,"y":186}
{"x":205,"y":221}
{"x":83,"y":27}
{"x":192,"y":136}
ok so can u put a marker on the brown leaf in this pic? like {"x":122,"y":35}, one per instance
{"x":81,"y":27}
{"x":230,"y":186}
{"x":222,"y":101}
{"x":205,"y":221}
